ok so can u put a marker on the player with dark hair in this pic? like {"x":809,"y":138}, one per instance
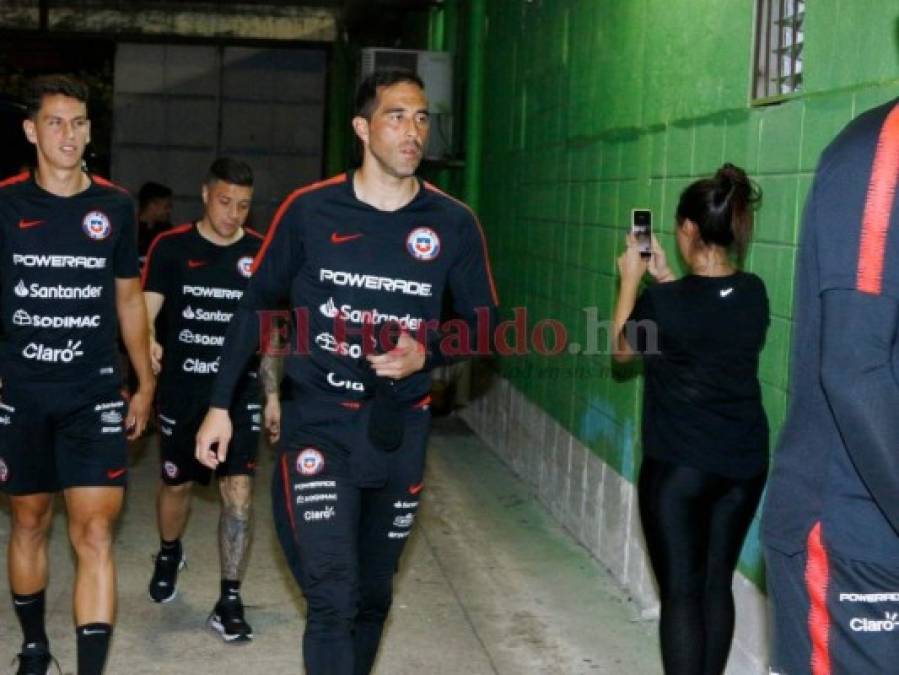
{"x":154,"y":214}
{"x":831,"y":517}
{"x":69,"y":279}
{"x":150,"y":192}
{"x":196,"y":274}
{"x":354,"y":255}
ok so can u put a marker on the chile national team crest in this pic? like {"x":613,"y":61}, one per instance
{"x":245,"y":266}
{"x":4,"y":471}
{"x":171,"y":469}
{"x":96,"y":225}
{"x":310,"y":462}
{"x":423,"y":243}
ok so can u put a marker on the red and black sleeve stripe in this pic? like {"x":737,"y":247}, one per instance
{"x":878,"y":207}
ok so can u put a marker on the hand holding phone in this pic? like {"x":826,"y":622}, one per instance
{"x":658,"y":264}
{"x":641,"y":228}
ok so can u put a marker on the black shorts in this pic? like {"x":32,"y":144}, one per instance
{"x":831,"y":614}
{"x":180,"y":419}
{"x":57,"y":436}
{"x":334,"y":491}
{"x":338,"y":432}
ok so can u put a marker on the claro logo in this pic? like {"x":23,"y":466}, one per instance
{"x":39,"y":352}
{"x":888,"y":624}
{"x":200,"y":367}
{"x":336,"y":381}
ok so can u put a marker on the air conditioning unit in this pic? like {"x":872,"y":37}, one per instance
{"x":436,"y":71}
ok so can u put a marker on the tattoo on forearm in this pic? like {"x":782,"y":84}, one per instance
{"x":234,"y":539}
{"x":270,"y":373}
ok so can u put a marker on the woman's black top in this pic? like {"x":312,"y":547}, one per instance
{"x":700,"y":338}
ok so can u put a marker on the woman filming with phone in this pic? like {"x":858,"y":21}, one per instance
{"x":705,"y":434}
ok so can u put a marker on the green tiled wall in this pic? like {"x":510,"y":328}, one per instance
{"x":595,"y":107}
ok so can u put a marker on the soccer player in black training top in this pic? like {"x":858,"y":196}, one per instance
{"x":354,"y":255}
{"x":831,"y":517}
{"x":196,"y":274}
{"x":69,"y":279}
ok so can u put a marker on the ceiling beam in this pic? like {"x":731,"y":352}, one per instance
{"x":190,"y":19}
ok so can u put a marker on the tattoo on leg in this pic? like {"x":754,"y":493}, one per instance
{"x":234,"y":540}
{"x":235,"y":529}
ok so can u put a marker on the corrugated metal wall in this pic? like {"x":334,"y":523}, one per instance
{"x":177,"y":107}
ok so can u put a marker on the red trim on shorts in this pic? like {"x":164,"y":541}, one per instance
{"x":18,"y":178}
{"x":423,"y":403}
{"x":181,"y":229}
{"x":477,"y":222}
{"x":286,"y":477}
{"x":351,"y":405}
{"x":878,"y":207}
{"x":817,"y":577}
{"x":341,"y":178}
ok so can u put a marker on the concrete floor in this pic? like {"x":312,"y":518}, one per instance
{"x":489,"y":585}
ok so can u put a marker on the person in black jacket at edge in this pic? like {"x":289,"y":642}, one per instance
{"x":705,"y":433}
{"x":831,"y":518}
{"x":363,"y":259}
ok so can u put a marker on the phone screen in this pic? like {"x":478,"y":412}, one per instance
{"x":641,"y":227}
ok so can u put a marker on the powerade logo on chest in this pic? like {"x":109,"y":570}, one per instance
{"x":96,"y":225}
{"x":212,"y":292}
{"x":245,"y":266}
{"x":375,"y":283}
{"x":423,"y":244}
{"x":59,"y":261}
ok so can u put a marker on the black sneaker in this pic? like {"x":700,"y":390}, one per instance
{"x":165,"y":576}
{"x":35,"y":660}
{"x":227,"y":620}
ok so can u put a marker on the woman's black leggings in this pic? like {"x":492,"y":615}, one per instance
{"x":694,"y":523}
